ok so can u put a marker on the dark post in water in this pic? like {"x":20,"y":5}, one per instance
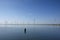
{"x":25,"y":30}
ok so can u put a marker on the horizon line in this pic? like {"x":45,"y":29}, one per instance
{"x":29,"y":24}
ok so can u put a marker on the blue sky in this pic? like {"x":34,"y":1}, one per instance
{"x":43,"y":11}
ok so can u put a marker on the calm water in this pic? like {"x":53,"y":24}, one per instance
{"x":33,"y":32}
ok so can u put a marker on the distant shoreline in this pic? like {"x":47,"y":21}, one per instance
{"x":29,"y":24}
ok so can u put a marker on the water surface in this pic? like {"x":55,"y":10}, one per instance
{"x":33,"y":32}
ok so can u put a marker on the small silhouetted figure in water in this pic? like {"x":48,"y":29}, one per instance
{"x":25,"y":30}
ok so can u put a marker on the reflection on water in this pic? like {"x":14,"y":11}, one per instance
{"x":29,"y":32}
